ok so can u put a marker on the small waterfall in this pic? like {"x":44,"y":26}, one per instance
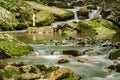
{"x":94,"y":13}
{"x":75,"y":13}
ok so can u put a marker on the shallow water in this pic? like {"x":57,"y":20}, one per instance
{"x":44,"y":45}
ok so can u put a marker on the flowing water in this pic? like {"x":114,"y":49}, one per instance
{"x":45,"y":45}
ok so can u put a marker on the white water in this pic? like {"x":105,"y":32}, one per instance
{"x":93,"y":70}
{"x":94,"y":13}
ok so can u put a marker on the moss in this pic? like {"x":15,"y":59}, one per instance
{"x":71,"y":78}
{"x":9,"y":73}
{"x":3,"y":64}
{"x":44,"y":18}
{"x":14,"y":47}
{"x":114,"y":55}
{"x":59,"y":13}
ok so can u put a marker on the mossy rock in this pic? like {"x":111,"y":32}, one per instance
{"x":93,"y":27}
{"x":12,"y":46}
{"x":44,"y":18}
{"x":59,"y":14}
{"x":7,"y":20}
{"x":114,"y":55}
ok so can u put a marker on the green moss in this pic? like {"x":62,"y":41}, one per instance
{"x":14,"y":47}
{"x":44,"y":18}
{"x":9,"y":73}
{"x":114,"y":55}
{"x":60,"y":14}
{"x":71,"y":78}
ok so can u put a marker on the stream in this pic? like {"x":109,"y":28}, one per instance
{"x":44,"y":45}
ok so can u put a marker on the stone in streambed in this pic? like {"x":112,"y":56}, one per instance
{"x":72,"y":52}
{"x":29,"y":76}
{"x":61,"y":61}
{"x":83,"y":60}
{"x":114,"y":54}
{"x":41,"y":30}
{"x":60,"y":74}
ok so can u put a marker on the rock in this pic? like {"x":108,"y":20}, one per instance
{"x":17,"y":47}
{"x":83,"y":12}
{"x":114,"y":67}
{"x":29,"y":76}
{"x":61,"y":61}
{"x":111,"y":9}
{"x":3,"y":64}
{"x":44,"y":18}
{"x":42,"y":67}
{"x":60,"y":74}
{"x":25,"y":69}
{"x":45,"y":29}
{"x":7,"y":20}
{"x":72,"y":52}
{"x":68,"y":28}
{"x":114,"y":54}
{"x":94,"y":53}
{"x":18,"y":64}
{"x":91,"y":6}
{"x":59,"y":14}
{"x":83,"y":60}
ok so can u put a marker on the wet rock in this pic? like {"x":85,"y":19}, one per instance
{"x":29,"y":76}
{"x":91,"y":6}
{"x":42,"y":67}
{"x":60,"y":74}
{"x":83,"y":60}
{"x":18,"y":64}
{"x":94,"y":53}
{"x":83,"y":12}
{"x":114,"y":54}
{"x":72,"y":52}
{"x":115,"y":67}
{"x":25,"y":69}
{"x":61,"y":61}
{"x":52,"y":68}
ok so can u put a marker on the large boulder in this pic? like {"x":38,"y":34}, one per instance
{"x":59,"y":14}
{"x":44,"y":18}
{"x":114,"y":55}
{"x":84,"y":11}
{"x":111,"y":10}
{"x":7,"y":20}
{"x":72,"y":52}
{"x":60,"y":74}
{"x":13,"y":47}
